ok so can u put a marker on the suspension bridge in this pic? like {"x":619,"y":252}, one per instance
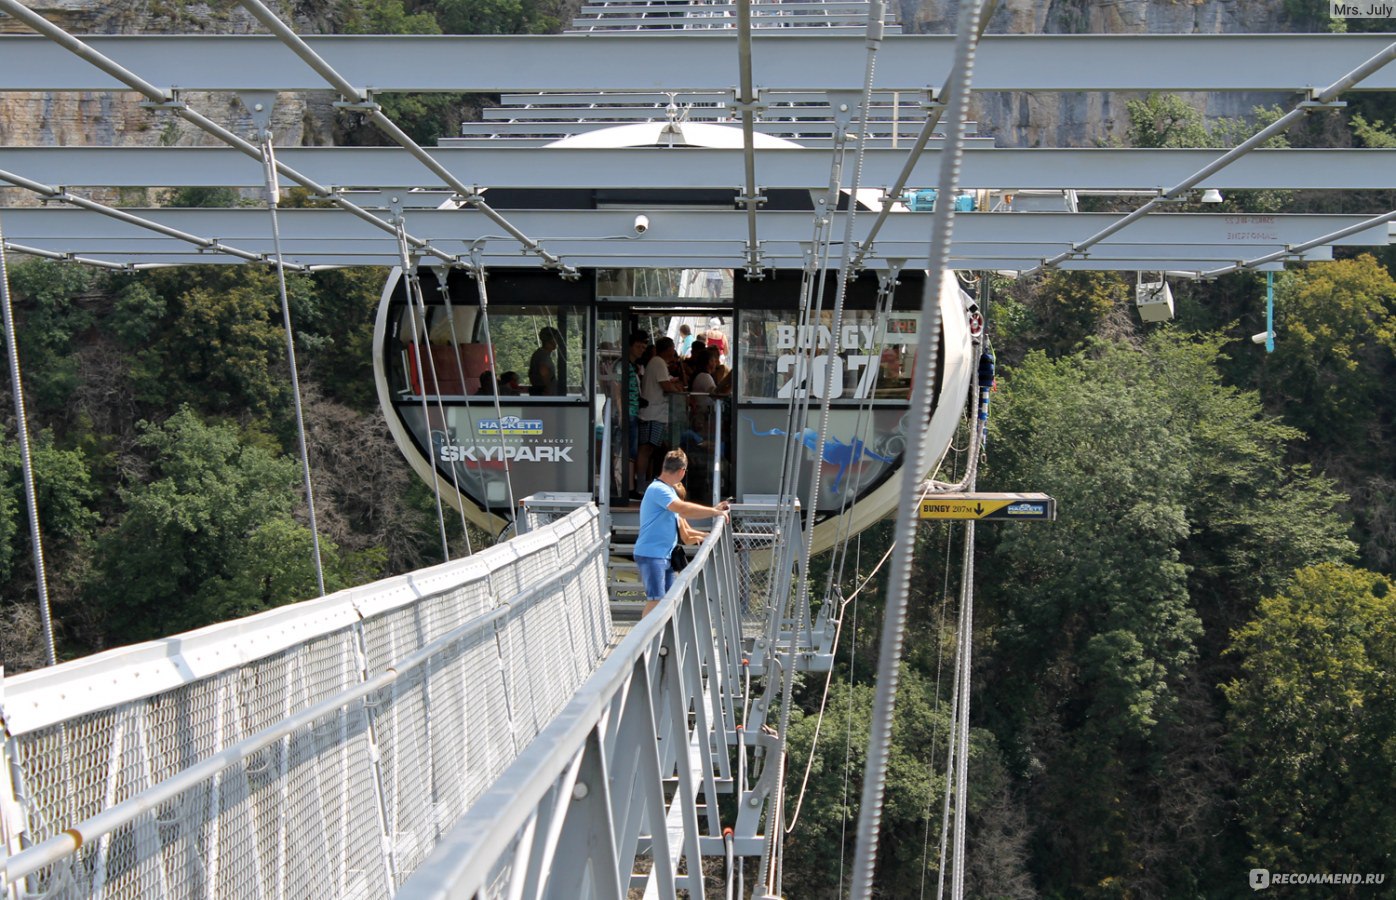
{"x":503,"y":724}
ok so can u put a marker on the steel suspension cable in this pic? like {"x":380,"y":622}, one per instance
{"x":417,"y":299}
{"x":444,"y":289}
{"x":484,"y":295}
{"x":894,"y":625}
{"x":848,"y":722}
{"x":952,"y":755}
{"x":409,"y":273}
{"x":874,"y":32}
{"x":883,"y":306}
{"x":273,"y":203}
{"x":962,"y":764}
{"x":1318,"y":99}
{"x":935,"y":709}
{"x":26,"y":460}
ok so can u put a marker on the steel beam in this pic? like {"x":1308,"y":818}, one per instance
{"x":694,"y":239}
{"x":686,"y":168}
{"x":668,"y":62}
{"x":774,"y":258}
{"x":330,"y":227}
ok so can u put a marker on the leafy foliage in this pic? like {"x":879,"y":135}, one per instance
{"x":1330,"y":372}
{"x":1372,"y":134}
{"x":1176,"y":509}
{"x":49,"y":315}
{"x":65,"y":495}
{"x":208,"y":534}
{"x":1313,"y":714}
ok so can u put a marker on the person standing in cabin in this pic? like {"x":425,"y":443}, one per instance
{"x":542,"y":369}
{"x":655,"y":387}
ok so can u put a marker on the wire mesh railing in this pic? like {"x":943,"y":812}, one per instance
{"x":607,"y":800}
{"x":321,"y":749}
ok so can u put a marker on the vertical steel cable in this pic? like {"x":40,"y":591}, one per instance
{"x":881,"y":309}
{"x":894,"y":624}
{"x":26,"y":461}
{"x":420,"y":306}
{"x":273,"y":203}
{"x":498,"y":408}
{"x":957,"y":890}
{"x":442,"y":276}
{"x":419,"y":302}
{"x":409,"y":275}
{"x":951,"y":757}
{"x":776,"y":829}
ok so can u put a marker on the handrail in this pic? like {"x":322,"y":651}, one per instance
{"x":47,"y":853}
{"x":464,"y":856}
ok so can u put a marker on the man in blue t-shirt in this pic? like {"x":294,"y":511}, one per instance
{"x":659,"y":526}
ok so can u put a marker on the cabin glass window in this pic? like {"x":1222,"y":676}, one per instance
{"x":876,"y":359}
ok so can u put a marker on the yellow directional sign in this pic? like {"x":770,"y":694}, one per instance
{"x":990,"y":507}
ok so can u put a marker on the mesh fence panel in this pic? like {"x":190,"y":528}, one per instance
{"x":296,"y":818}
{"x":761,"y":533}
{"x":307,"y":814}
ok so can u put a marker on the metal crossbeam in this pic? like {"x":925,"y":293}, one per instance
{"x":695,"y":167}
{"x":682,"y":61}
{"x":608,"y":234}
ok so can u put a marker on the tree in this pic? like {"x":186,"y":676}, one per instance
{"x":207,"y":535}
{"x":213,"y":338}
{"x":67,"y":518}
{"x":915,"y":788}
{"x":1312,"y":717}
{"x":1330,"y":372}
{"x":49,"y":316}
{"x":1176,"y":510}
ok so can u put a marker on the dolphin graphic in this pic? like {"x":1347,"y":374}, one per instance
{"x":836,"y":452}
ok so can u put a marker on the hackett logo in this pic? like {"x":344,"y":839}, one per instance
{"x":510,"y":425}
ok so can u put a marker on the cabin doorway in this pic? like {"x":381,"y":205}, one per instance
{"x":696,"y":419}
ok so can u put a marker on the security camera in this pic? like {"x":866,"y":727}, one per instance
{"x":1260,"y":338}
{"x":642,"y":224}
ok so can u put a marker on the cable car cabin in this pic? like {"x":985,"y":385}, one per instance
{"x":557,"y":368}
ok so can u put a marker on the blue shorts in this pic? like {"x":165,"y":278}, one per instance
{"x":657,"y":575}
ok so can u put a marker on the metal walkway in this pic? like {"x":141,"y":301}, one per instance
{"x":466,"y":730}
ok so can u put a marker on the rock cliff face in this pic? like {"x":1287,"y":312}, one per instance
{"x":1090,"y":119}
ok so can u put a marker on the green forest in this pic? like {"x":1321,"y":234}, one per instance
{"x":1190,"y":674}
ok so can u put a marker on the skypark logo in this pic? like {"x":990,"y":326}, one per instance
{"x":509,"y":425}
{"x":452,"y":453}
{"x":1260,"y":879}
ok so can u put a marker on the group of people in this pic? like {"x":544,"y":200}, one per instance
{"x":508,"y":386}
{"x":659,"y":371}
{"x":543,"y":380}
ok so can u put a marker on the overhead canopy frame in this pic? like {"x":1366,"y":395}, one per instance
{"x":670,"y":63}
